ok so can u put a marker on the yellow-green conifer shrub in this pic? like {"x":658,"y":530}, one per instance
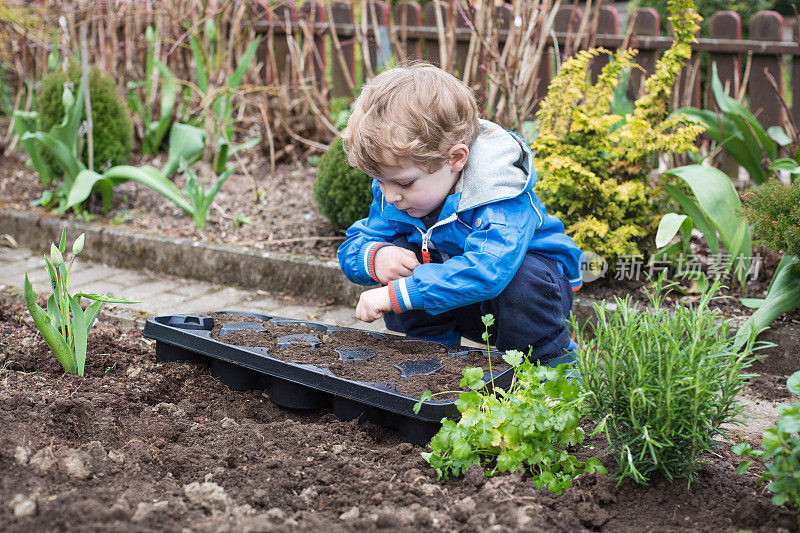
{"x":593,"y":165}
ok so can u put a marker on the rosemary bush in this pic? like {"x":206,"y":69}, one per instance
{"x":661,"y":383}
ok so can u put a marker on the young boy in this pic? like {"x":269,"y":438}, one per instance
{"x":455,"y":230}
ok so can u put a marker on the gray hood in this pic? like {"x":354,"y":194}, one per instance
{"x":497,"y":168}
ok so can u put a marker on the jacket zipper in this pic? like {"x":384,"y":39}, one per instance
{"x":426,"y":235}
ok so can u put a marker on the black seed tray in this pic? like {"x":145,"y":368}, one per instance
{"x":304,"y":386}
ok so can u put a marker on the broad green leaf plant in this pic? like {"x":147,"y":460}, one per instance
{"x":661,"y":383}
{"x":186,"y":147}
{"x":742,"y":136}
{"x":65,"y":324}
{"x":715,"y":210}
{"x":527,"y":427}
{"x":62,"y":141}
{"x":779,"y":452}
{"x":154,"y":129}
{"x":195,"y":191}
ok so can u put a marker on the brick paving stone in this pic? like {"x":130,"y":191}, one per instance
{"x":161,"y":294}
{"x":38,"y":277}
{"x":258,"y":304}
{"x":160,"y":303}
{"x":10,"y":255}
{"x":85,"y":273}
{"x":132,"y":278}
{"x":106,"y":285}
{"x":220,"y":300}
{"x":191,"y":289}
{"x":298,"y":312}
{"x":147,"y":287}
{"x":13,"y":273}
{"x":340,"y":316}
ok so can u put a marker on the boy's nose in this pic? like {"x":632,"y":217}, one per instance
{"x":393,"y":196}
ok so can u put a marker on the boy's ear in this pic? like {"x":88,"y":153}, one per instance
{"x":458,"y":157}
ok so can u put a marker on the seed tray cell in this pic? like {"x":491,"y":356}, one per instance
{"x":306,"y":386}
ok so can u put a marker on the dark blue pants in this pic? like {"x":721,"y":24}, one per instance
{"x":530,"y":312}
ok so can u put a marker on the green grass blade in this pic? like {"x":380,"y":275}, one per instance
{"x":199,"y":65}
{"x":244,"y":64}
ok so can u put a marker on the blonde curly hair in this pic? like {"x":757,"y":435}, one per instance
{"x":415,"y":112}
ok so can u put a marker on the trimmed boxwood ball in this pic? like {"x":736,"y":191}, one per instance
{"x":112,"y":125}
{"x":343,"y":193}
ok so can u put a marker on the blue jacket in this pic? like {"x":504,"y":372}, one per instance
{"x":485,"y":228}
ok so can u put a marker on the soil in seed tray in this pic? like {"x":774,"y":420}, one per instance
{"x":361,"y":356}
{"x":139,"y":445}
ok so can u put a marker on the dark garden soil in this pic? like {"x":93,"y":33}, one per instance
{"x":357,"y":355}
{"x":138,"y":445}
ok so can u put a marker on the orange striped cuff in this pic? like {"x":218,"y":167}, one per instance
{"x":393,"y":297}
{"x":371,"y":259}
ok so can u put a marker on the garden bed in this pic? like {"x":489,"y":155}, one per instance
{"x":141,"y":445}
{"x":283,"y":219}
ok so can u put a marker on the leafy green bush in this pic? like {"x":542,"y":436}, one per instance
{"x":780,"y":452}
{"x":594,"y":164}
{"x":342,"y":193}
{"x":661,"y":383}
{"x":773,"y":210}
{"x":112,"y":125}
{"x":527,"y":427}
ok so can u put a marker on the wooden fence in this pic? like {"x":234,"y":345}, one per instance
{"x":744,"y":65}
{"x":740,"y":61}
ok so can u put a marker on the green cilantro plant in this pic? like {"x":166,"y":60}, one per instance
{"x":527,"y":427}
{"x":65,"y":324}
{"x":780,"y":452}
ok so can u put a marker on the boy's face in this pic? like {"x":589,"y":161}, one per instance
{"x":418,"y":192}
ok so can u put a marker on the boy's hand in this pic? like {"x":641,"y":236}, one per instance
{"x":393,"y":262}
{"x":373,"y":303}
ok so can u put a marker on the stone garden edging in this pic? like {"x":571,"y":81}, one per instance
{"x":225,"y":265}
{"x":270,"y":271}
